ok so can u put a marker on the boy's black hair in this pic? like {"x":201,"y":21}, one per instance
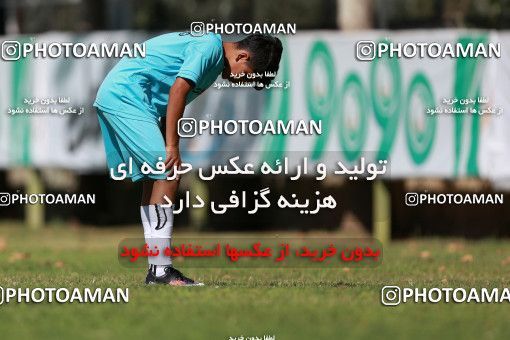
{"x":265,"y":54}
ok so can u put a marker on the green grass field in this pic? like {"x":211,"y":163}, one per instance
{"x":294,"y":303}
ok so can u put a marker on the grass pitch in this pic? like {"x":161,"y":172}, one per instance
{"x":296,"y":303}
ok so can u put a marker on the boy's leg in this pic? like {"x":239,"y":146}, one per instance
{"x":160,"y":219}
{"x":146,"y":192}
{"x":157,"y":221}
{"x":127,"y":139}
{"x":162,"y":188}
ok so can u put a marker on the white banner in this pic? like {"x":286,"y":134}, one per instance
{"x":374,"y":109}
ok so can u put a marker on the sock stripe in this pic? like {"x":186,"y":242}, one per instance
{"x":166,"y":218}
{"x":159,"y":225}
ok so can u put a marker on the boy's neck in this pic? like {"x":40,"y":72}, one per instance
{"x":228,"y":49}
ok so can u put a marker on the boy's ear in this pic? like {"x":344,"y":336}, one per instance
{"x":242,"y":55}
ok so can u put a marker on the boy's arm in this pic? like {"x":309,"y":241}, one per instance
{"x":174,"y":111}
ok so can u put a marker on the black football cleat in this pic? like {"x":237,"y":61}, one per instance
{"x":172,"y":277}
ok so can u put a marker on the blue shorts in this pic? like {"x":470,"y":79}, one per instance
{"x":138,"y":140}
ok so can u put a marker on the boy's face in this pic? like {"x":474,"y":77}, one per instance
{"x":237,"y":64}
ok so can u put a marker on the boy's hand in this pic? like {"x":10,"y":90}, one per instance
{"x":173,"y":157}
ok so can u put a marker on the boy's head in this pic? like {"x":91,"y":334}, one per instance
{"x":257,"y":53}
